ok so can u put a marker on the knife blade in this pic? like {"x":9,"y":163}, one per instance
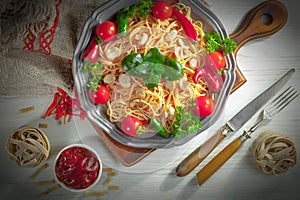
{"x":234,"y":124}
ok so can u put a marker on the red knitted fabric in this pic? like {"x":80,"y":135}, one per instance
{"x":46,"y":36}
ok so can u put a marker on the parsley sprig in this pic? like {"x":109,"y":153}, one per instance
{"x":186,"y":123}
{"x":215,"y":41}
{"x":141,"y":9}
{"x":95,"y":71}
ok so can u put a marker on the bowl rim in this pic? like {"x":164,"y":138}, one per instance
{"x":91,"y":150}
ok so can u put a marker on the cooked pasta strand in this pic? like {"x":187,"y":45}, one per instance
{"x":169,"y":37}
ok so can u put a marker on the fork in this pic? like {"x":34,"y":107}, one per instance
{"x":267,"y":114}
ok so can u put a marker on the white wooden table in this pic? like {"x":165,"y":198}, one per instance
{"x":262,"y":62}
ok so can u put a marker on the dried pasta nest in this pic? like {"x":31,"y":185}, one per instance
{"x":274,"y":153}
{"x":28,"y":146}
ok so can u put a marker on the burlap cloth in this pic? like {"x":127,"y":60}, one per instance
{"x":38,"y":38}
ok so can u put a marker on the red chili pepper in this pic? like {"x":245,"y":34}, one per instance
{"x":62,"y":106}
{"x":92,"y":51}
{"x":52,"y":106}
{"x":59,"y":111}
{"x":186,"y":24}
{"x":62,"y":93}
{"x":212,"y":79}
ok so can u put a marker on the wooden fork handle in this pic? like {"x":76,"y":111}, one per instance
{"x":263,"y":20}
{"x":211,"y":167}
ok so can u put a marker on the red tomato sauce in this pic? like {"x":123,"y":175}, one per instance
{"x":77,"y":168}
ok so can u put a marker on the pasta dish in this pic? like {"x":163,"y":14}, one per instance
{"x":149,"y":71}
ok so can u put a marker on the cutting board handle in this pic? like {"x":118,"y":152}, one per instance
{"x":263,"y":20}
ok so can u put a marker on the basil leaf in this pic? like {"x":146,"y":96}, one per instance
{"x":174,"y":69}
{"x":158,"y":68}
{"x":148,"y":67}
{"x":130,"y":62}
{"x":152,"y":67}
{"x":151,"y":80}
{"x":144,"y":68}
{"x":154,"y":56}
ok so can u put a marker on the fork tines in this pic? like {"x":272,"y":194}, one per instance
{"x":284,"y":99}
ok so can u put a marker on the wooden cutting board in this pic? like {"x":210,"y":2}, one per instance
{"x":263,"y":20}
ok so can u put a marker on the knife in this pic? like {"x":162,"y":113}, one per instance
{"x":234,"y":124}
{"x":266,"y":115}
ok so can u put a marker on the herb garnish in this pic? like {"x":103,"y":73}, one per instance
{"x":96,"y":70}
{"x":214,"y":41}
{"x":141,"y":10}
{"x":152,"y":67}
{"x":186,"y":123}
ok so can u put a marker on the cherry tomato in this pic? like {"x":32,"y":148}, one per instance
{"x":204,"y":106}
{"x":101,"y":96}
{"x":216,"y":60}
{"x":130,"y":126}
{"x":106,"y":30}
{"x":162,"y":10}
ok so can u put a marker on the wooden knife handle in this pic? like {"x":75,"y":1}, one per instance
{"x":199,"y":154}
{"x":263,"y":20}
{"x":211,"y":167}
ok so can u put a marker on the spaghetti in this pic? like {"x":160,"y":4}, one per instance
{"x":133,"y":98}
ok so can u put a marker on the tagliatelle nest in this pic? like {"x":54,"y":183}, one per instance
{"x":274,"y":153}
{"x":28,"y":146}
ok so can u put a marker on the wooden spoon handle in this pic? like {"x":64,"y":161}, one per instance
{"x":263,"y":20}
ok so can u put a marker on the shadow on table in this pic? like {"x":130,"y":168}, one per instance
{"x":189,"y":189}
{"x":172,"y":181}
{"x":253,"y":183}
